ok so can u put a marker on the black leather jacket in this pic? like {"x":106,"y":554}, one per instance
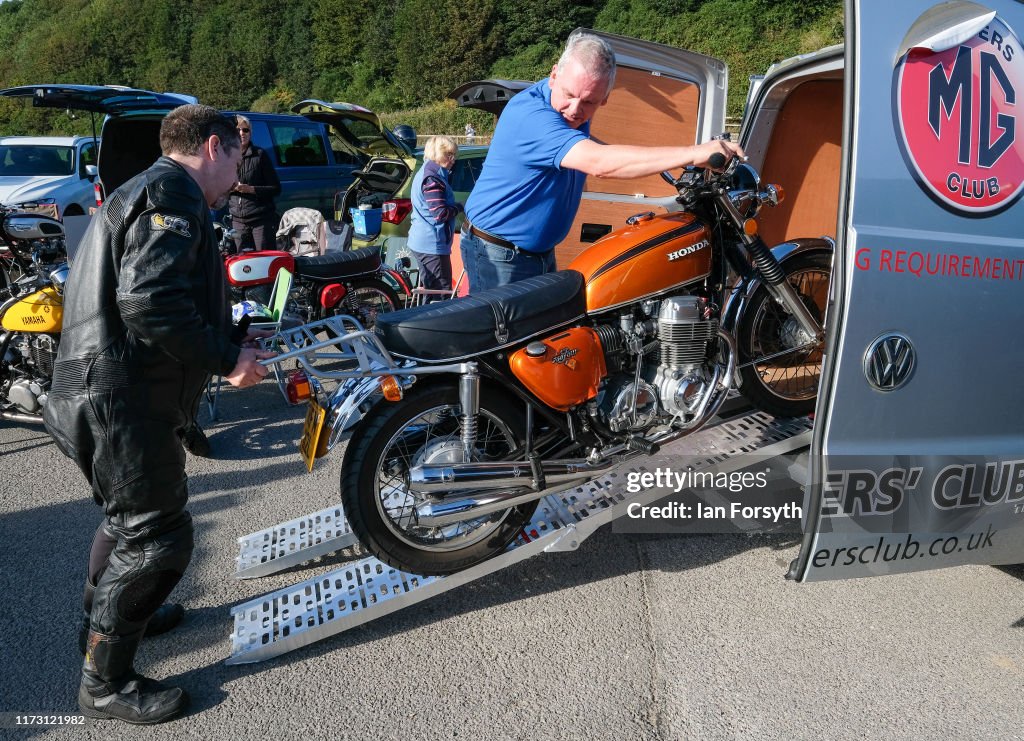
{"x":258,"y":171}
{"x":145,"y":321}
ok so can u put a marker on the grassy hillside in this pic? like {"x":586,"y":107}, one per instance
{"x":398,"y":57}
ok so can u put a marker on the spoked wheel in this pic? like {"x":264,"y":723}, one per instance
{"x":780,"y":365}
{"x":367,"y":299}
{"x":424,"y":428}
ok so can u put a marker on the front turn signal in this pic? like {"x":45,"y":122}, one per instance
{"x":391,"y":388}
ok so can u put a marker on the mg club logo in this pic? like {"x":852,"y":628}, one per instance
{"x":958,"y":120}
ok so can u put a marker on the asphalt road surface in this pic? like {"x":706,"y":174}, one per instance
{"x":629,"y":637}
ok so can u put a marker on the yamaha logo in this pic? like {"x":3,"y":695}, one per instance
{"x":955,"y":113}
{"x":678,"y":254}
{"x":33,"y":320}
{"x":889,"y":362}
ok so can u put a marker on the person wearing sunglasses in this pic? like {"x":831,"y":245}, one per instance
{"x":253,"y":216}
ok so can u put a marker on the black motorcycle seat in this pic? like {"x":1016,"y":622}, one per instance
{"x":338,"y":265}
{"x":484,"y":321}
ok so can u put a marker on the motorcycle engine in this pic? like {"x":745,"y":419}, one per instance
{"x":30,"y":360}
{"x":673,"y":380}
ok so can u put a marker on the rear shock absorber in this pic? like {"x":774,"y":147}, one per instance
{"x":469,"y":397}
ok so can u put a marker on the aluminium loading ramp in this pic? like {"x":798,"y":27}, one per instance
{"x":365,"y":590}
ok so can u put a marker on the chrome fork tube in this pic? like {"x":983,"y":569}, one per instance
{"x":782,"y":290}
{"x":786,"y":295}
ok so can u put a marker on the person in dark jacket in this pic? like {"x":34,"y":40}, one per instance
{"x":253,"y":216}
{"x":145,"y":322}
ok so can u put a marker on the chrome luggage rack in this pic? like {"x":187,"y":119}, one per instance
{"x":350,"y":344}
{"x":354,"y":359}
{"x":320,"y":358}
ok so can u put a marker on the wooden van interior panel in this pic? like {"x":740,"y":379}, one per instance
{"x":804,"y":158}
{"x":594,"y":217}
{"x":644,"y":109}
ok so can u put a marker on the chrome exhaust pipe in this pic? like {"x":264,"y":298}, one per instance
{"x":498,"y":477}
{"x":505,"y":488}
{"x":19,"y":417}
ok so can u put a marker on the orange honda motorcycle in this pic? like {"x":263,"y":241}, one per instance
{"x":462,"y":414}
{"x":33,"y":269}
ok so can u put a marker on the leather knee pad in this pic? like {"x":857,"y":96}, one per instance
{"x":142,"y":571}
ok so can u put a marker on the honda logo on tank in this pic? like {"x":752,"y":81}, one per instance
{"x":956,"y":115}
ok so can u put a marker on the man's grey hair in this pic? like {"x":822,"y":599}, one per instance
{"x":593,"y":53}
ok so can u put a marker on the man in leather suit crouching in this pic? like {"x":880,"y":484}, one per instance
{"x":145,"y":321}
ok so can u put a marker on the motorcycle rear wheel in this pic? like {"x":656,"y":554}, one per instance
{"x":424,"y":427}
{"x":367,"y":299}
{"x":780,"y":367}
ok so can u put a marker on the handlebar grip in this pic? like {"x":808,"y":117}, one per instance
{"x":717,"y":161}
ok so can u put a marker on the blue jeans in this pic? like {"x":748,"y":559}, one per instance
{"x":489,"y":266}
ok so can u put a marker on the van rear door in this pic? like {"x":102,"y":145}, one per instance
{"x":920,"y":445}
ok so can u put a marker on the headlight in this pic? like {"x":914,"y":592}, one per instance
{"x":47,"y":206}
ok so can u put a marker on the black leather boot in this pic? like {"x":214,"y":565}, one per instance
{"x":112,"y":690}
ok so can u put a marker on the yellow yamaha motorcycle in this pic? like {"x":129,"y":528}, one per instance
{"x":33,"y":269}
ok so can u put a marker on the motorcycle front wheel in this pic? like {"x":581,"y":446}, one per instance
{"x":424,"y":427}
{"x":780,"y":366}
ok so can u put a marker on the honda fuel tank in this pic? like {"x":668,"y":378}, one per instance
{"x":647,"y":257}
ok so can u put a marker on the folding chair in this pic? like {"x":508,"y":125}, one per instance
{"x":278,"y":301}
{"x":419,"y":295}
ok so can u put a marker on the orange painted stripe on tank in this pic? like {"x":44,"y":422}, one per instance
{"x":644,"y":259}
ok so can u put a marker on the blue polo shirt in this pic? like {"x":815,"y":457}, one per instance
{"x":523,"y":194}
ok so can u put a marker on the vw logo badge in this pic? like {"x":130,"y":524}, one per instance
{"x":889,"y":362}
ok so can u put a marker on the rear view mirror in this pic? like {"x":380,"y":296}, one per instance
{"x":91,"y":171}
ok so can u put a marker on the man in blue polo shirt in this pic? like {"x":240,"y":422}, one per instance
{"x":532,"y":180}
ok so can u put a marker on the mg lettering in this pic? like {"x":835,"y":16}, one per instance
{"x":956,"y":117}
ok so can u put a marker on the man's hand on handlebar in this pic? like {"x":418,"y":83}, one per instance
{"x":704,"y":156}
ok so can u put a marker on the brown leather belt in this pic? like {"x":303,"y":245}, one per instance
{"x":488,"y":237}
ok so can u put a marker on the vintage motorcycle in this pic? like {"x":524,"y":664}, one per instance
{"x":34,"y":262}
{"x":354,"y":283}
{"x":462,"y":415}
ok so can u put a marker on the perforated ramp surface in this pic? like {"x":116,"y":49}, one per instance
{"x":365,"y":590}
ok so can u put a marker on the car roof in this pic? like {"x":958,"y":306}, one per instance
{"x":39,"y":141}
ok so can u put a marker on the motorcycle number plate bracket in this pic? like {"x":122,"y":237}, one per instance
{"x":309,"y":445}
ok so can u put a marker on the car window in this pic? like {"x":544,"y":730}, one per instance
{"x":88,"y":156}
{"x":466,"y":173}
{"x":297,"y":145}
{"x":342,"y":154}
{"x":33,"y":159}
